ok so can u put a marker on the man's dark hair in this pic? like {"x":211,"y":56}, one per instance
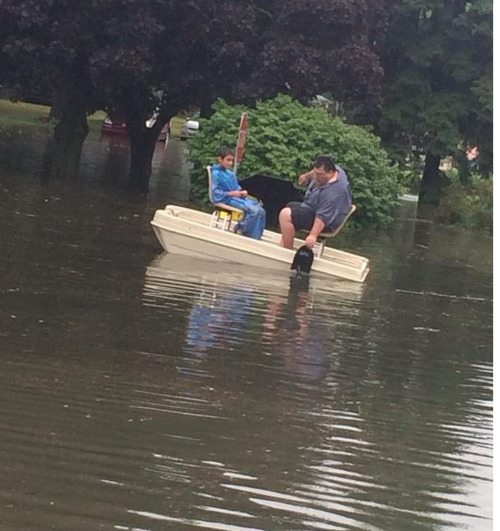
{"x":327,"y":161}
{"x":224,"y":152}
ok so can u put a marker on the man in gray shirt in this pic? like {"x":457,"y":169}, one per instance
{"x":326,"y":203}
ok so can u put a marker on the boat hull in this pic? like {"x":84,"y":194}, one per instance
{"x":188,"y":232}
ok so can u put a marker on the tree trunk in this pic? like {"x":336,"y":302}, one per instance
{"x":65,"y":147}
{"x":463,"y":165}
{"x":431,"y":186}
{"x":142,"y":147}
{"x":57,"y":105}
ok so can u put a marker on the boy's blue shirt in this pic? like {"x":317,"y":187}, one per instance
{"x":223,"y":181}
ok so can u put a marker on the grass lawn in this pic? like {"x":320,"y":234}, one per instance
{"x":175,"y":125}
{"x":28,"y":114}
{"x":22,"y":113}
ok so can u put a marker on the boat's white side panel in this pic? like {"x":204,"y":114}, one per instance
{"x":192,"y":245}
{"x":188,"y":231}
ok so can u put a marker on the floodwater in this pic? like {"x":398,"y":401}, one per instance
{"x":144,"y":391}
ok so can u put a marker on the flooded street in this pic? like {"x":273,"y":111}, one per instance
{"x":145,"y":391}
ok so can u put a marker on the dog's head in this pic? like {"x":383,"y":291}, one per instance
{"x":303,"y":260}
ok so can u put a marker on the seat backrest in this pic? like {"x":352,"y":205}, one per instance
{"x":209,"y":173}
{"x":349,"y":214}
{"x":337,"y":230}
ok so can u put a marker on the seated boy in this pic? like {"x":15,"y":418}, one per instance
{"x":226,"y":189}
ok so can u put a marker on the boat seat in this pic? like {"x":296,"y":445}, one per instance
{"x":319,"y":246}
{"x":223,"y":215}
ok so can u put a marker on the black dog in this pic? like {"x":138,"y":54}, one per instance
{"x":302,"y":261}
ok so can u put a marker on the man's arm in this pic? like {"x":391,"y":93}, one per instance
{"x":305,"y":178}
{"x":315,"y":231}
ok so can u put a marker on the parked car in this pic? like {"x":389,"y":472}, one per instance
{"x":114,"y":126}
{"x":118,"y":126}
{"x":190,"y":127}
{"x":165,"y":134}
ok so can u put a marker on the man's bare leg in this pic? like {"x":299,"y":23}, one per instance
{"x":287,"y":228}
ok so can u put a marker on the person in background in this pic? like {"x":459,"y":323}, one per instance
{"x":326,"y":203}
{"x":226,"y":189}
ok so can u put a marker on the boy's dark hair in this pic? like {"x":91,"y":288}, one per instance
{"x":224,"y":152}
{"x":327,"y":161}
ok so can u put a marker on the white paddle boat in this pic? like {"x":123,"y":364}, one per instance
{"x":191,"y":232}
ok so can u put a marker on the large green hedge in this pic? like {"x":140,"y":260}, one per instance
{"x":283,"y":139}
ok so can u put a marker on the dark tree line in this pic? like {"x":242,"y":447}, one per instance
{"x":418,"y":71}
{"x":437,"y":57}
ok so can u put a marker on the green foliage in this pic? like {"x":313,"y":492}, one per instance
{"x":410,"y":180}
{"x":410,"y":172}
{"x":134,"y":57}
{"x":453,"y":175}
{"x":283,"y":139}
{"x":470,"y":207}
{"x":438,"y":63}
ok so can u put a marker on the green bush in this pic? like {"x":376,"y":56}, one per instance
{"x":470,"y":207}
{"x":283,"y":139}
{"x":411,"y":167}
{"x":452,"y":174}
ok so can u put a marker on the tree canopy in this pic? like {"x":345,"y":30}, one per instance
{"x":438,"y":61}
{"x":140,"y":55}
{"x":418,"y":71}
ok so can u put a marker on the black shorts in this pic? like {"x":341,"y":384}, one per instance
{"x":302,"y":217}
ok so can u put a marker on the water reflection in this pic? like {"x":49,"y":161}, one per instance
{"x":105,"y":162}
{"x":218,"y":319}
{"x":116,"y":162}
{"x":290,"y":332}
{"x":288,"y":320}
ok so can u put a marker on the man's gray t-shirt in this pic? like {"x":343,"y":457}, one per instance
{"x":331,"y":202}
